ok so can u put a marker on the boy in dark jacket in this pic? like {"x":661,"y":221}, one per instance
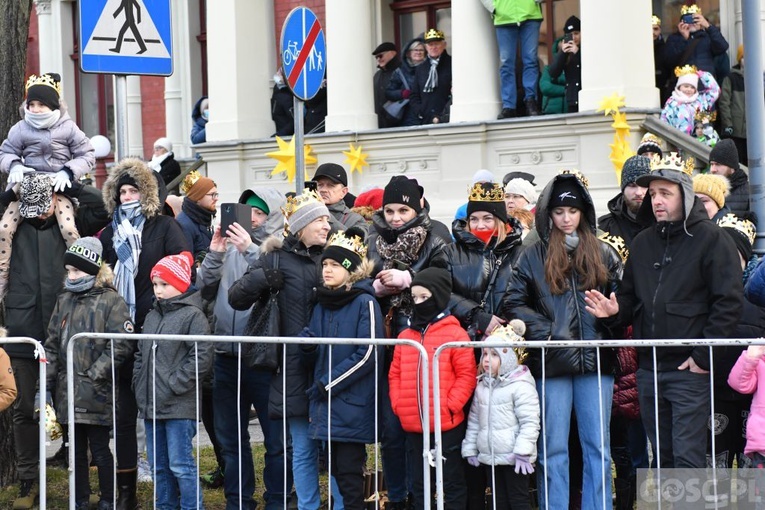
{"x":88,"y":303}
{"x":165,"y":381}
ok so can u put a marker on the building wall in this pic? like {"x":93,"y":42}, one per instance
{"x":152,"y":111}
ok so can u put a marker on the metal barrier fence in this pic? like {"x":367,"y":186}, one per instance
{"x":552,"y":344}
{"x":42,"y":438}
{"x":427,"y":455}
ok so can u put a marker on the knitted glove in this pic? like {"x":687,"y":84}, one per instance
{"x":473,"y":461}
{"x":61,"y":181}
{"x":522,"y":465}
{"x":274,"y":279}
{"x":17,"y":173}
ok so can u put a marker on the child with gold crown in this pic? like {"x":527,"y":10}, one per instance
{"x":686,"y":100}
{"x":44,"y":153}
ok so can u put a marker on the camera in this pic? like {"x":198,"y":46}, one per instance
{"x":687,"y":19}
{"x":569,"y":37}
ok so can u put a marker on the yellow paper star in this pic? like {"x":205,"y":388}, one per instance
{"x":611,"y":104}
{"x":286,"y":158}
{"x":620,"y":121}
{"x":356,"y":158}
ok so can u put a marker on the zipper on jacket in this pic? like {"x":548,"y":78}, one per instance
{"x":574,"y":290}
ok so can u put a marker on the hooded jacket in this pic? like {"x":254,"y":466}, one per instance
{"x":746,"y":377}
{"x":97,"y":310}
{"x":300,"y":270}
{"x":220,"y":270}
{"x":682,"y":280}
{"x":198,"y":130}
{"x":618,"y":221}
{"x":562,"y":316}
{"x":504,"y":415}
{"x":37,"y":273}
{"x":161,"y":236}
{"x":173,"y":363}
{"x":472,"y":264}
{"x":62,"y":146}
{"x":351,"y":380}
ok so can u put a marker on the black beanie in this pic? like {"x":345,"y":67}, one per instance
{"x":349,"y":259}
{"x":438,"y":281}
{"x":403,"y":190}
{"x":725,"y":153}
{"x":125,"y":179}
{"x":489,"y":197}
{"x":572,"y":25}
{"x":633,"y":168}
{"x":566,"y":192}
{"x":45,"y":93}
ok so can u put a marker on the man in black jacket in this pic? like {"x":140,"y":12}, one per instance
{"x":622,"y":218}
{"x":682,"y":280}
{"x":388,"y":61}
{"x":432,"y":88}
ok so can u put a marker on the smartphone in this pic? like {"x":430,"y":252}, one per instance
{"x":687,"y":19}
{"x":569,"y":37}
{"x":234,"y":213}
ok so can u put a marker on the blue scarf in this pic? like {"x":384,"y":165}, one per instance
{"x":127,"y":222}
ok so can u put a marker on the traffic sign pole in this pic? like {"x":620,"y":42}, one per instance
{"x":120,"y":116}
{"x":298,"y":109}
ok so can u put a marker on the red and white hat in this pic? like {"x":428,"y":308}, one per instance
{"x":175,"y":270}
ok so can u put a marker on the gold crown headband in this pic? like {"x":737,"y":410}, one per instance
{"x":189,"y":181}
{"x":617,"y":243}
{"x":295,"y":203}
{"x":480,"y":194}
{"x":672,"y":161}
{"x":705,"y":116}
{"x":45,"y":79}
{"x":354,"y":243}
{"x":746,"y":227}
{"x":579,"y":175}
{"x":655,"y":20}
{"x":685,"y":70}
{"x":690,"y":9}
{"x":434,"y":33}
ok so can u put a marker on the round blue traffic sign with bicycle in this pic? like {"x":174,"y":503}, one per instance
{"x":303,"y":53}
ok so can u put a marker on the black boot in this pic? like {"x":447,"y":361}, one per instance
{"x":126,"y":481}
{"x":532,"y":110}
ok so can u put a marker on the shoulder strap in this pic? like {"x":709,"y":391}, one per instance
{"x":492,"y":281}
{"x":688,"y":50}
{"x":403,"y":77}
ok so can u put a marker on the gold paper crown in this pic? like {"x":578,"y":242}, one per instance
{"x":655,"y":20}
{"x":513,"y":332}
{"x":189,"y":181}
{"x":672,"y":161}
{"x":579,"y":175}
{"x":294,"y":203}
{"x":617,"y":243}
{"x":480,"y":194}
{"x":45,"y":79}
{"x":685,"y":70}
{"x":353,"y":243}
{"x":705,"y":116}
{"x":746,"y":227}
{"x":690,"y":9}
{"x":434,"y":33}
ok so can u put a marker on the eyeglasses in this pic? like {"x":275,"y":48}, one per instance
{"x":214,"y":196}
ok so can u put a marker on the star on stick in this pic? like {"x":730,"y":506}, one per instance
{"x":285,"y":158}
{"x":611,"y":104}
{"x":356,"y":159}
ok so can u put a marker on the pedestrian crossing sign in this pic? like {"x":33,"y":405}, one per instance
{"x":126,"y":37}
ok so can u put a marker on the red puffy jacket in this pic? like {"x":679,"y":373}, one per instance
{"x":457,"y":373}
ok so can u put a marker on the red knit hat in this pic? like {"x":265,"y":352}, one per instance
{"x":372,"y":198}
{"x":175,"y":270}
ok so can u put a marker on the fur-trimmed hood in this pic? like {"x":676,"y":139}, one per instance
{"x":363,"y":271}
{"x":146,"y":182}
{"x":271,"y":244}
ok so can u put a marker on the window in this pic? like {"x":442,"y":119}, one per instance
{"x":414,"y":17}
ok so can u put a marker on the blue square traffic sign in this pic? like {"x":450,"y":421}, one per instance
{"x":126,"y":37}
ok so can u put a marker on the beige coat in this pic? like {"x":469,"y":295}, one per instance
{"x":7,"y":382}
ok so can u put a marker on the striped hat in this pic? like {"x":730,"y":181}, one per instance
{"x":175,"y":270}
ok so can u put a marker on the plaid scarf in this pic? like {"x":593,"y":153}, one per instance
{"x":127,"y":222}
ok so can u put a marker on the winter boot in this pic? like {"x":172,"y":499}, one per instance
{"x":105,"y":505}
{"x":28,"y":493}
{"x":126,"y":481}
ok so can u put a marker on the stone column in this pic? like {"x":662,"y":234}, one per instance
{"x":240,"y":48}
{"x":617,"y":54}
{"x":56,"y":45}
{"x":350,"y":66}
{"x":475,"y":64}
{"x":135,"y":117}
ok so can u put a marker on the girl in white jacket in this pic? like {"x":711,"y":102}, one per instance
{"x":503,"y":425}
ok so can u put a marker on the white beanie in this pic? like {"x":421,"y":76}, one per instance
{"x":523,"y":188}
{"x":482,"y":175}
{"x":688,"y":79}
{"x":164,"y":142}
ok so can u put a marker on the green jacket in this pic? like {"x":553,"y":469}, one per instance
{"x":553,"y":89}
{"x":732,"y":104}
{"x":513,"y":12}
{"x":99,"y":310}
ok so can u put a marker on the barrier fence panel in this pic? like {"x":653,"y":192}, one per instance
{"x":39,"y":353}
{"x":684,"y":488}
{"x":284,"y":341}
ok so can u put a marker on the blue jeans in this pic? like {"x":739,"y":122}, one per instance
{"x":580,"y":393}
{"x":393,"y":447}
{"x":305,"y":467}
{"x":173,"y":464}
{"x":507,"y":41}
{"x":255,"y":387}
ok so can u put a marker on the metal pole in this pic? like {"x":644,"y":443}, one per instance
{"x":755,"y":110}
{"x":120,"y":115}
{"x":298,"y":109}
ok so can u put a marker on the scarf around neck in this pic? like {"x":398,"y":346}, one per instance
{"x":683,"y":99}
{"x":80,"y":284}
{"x":432,"y":82}
{"x":335,"y":299}
{"x":406,"y":248}
{"x":127,"y":223}
{"x":44,"y":120}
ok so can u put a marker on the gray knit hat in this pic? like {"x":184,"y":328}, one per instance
{"x":633,"y":168}
{"x":303,"y":209}
{"x":35,"y":194}
{"x":85,"y":255}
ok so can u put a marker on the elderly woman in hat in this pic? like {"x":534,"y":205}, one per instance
{"x":163,"y":160}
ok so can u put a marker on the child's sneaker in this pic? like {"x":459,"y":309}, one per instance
{"x":144,"y":471}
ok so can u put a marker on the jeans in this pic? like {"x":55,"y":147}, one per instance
{"x":305,"y":467}
{"x":173,"y":464}
{"x":561,"y":394}
{"x":255,"y":387}
{"x":507,"y":40}
{"x":396,"y":471}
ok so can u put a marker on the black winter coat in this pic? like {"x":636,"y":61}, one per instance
{"x":380,"y":81}
{"x":300,"y":269}
{"x":169,"y":169}
{"x":618,"y":222}
{"x":571,"y":65}
{"x":711,"y":44}
{"x":471,"y":264}
{"x":738,"y":200}
{"x":424,"y":106}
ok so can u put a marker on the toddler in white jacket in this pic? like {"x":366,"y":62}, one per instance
{"x":503,"y":425}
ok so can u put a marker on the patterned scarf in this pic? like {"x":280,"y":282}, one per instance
{"x":405,"y":249}
{"x":432,"y":82}
{"x":128,"y":224}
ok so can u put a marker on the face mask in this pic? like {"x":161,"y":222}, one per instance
{"x":424,"y":313}
{"x":206,"y":114}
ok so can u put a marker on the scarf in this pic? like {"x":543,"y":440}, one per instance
{"x":406,"y":248}
{"x":128,"y":222}
{"x":432,"y":82}
{"x":571,"y":242}
{"x":41,"y":120}
{"x":80,"y":284}
{"x":335,"y":299}
{"x":682,"y":98}
{"x":156,"y":161}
